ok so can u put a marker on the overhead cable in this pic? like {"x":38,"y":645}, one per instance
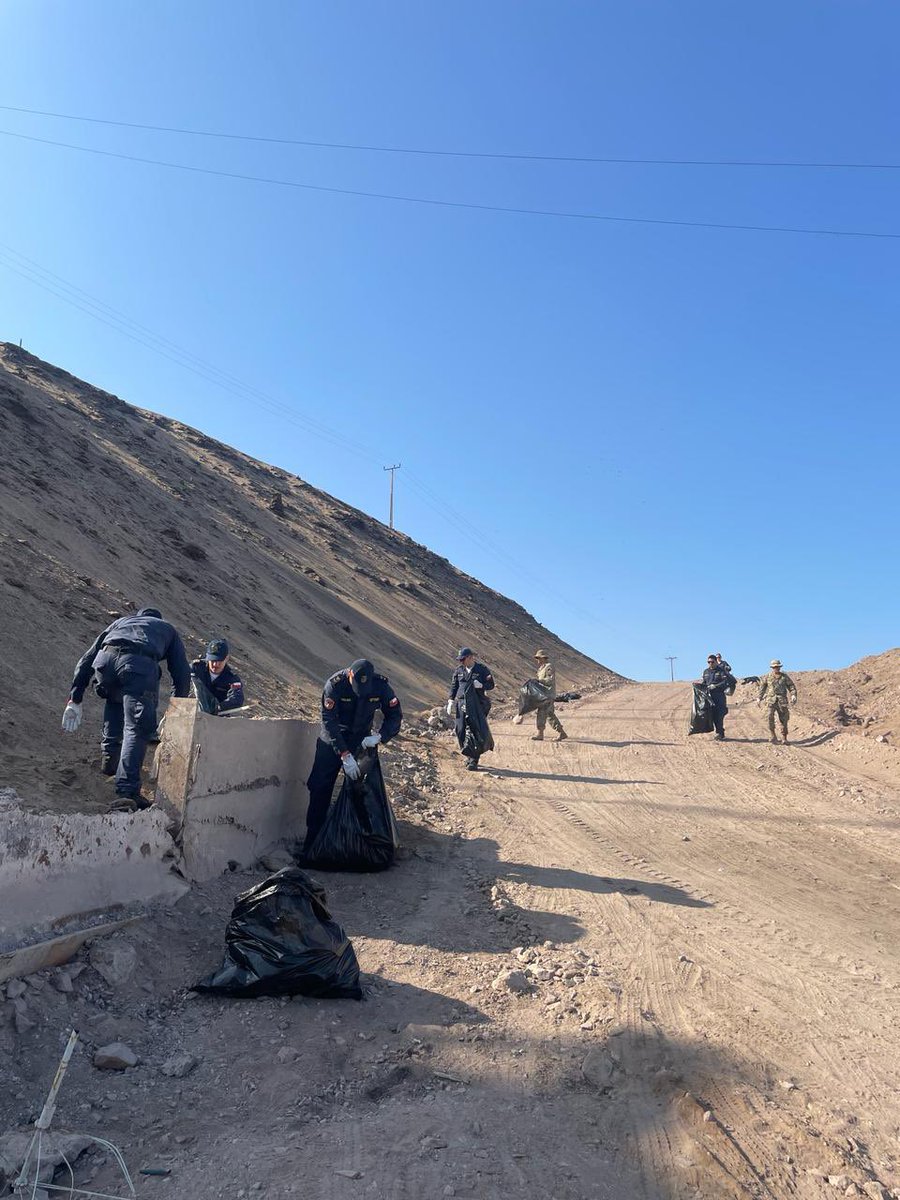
{"x":456,"y":204}
{"x":482,"y":154}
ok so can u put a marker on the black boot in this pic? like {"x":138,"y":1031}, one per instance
{"x":108,"y":766}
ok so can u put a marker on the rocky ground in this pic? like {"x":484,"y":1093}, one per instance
{"x":631,"y":966}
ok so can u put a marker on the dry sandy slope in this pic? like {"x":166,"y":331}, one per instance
{"x":724,"y":922}
{"x":105,"y":508}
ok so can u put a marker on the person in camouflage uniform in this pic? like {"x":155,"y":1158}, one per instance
{"x":547,"y":713}
{"x":776,"y":689}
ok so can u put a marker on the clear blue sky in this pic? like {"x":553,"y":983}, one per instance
{"x":668,"y":439}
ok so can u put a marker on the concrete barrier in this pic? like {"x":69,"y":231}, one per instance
{"x":234,"y":787}
{"x":61,"y":870}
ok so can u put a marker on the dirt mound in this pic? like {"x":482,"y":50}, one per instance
{"x":864,"y":697}
{"x":108,"y":507}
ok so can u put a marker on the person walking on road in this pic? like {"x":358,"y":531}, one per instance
{"x":124,"y":662}
{"x":350,"y":700}
{"x":470,"y":703}
{"x":777,"y":689}
{"x":719,"y":683}
{"x":546,"y":714}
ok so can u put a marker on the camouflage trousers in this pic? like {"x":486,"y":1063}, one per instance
{"x":547,"y":713}
{"x":782,"y":708}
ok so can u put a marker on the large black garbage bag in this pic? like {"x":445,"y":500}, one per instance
{"x":532,"y":695}
{"x":701,"y":712}
{"x":359,"y":833}
{"x":472,"y":730}
{"x":281,"y":941}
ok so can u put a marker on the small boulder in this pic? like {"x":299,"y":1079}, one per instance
{"x":598,"y":1067}
{"x":114,"y":960}
{"x":179,"y":1065}
{"x":115,"y":1057}
{"x":516,"y":982}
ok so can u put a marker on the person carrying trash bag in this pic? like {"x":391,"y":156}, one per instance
{"x":282,"y":941}
{"x":350,"y":700}
{"x":359,"y":832}
{"x":717,"y":684}
{"x":545,"y":711}
{"x":470,"y":703}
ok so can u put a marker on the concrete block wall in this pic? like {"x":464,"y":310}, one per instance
{"x":56,"y":869}
{"x":232,"y":786}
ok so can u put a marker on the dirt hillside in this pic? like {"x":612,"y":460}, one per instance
{"x":107,"y":508}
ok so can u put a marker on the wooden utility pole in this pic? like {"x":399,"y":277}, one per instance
{"x":670,"y":659}
{"x":392,"y":469}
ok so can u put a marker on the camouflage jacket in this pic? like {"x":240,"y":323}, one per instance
{"x":776,"y":686}
{"x":547,"y":676}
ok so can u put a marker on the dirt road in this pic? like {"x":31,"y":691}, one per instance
{"x":755,"y":940}
{"x":706,"y":1002}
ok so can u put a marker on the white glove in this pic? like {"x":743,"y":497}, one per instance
{"x":517,"y":720}
{"x":71,"y":717}
{"x":449,"y":708}
{"x":477,"y":683}
{"x":372,"y":740}
{"x":351,"y":766}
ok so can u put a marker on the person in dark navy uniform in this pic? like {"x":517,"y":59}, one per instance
{"x":469,"y":702}
{"x":124,"y":664}
{"x":218,"y":686}
{"x":350,"y":700}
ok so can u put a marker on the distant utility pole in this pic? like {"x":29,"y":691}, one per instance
{"x":670,"y":659}
{"x":395,"y":467}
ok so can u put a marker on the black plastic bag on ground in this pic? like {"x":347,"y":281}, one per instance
{"x":359,"y":833}
{"x":532,"y":695}
{"x":701,"y":712}
{"x":281,"y":941}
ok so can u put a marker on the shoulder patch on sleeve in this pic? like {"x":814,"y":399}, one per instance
{"x":394,"y":702}
{"x":328,"y":702}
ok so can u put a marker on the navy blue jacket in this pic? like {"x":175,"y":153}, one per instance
{"x":144,"y":637}
{"x":226,"y":686}
{"x":479,"y":672}
{"x":718,"y":681}
{"x":347,"y":718}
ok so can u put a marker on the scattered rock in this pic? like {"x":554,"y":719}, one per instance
{"x":179,"y":1065}
{"x":15,"y":988}
{"x":876,"y":1190}
{"x":115,"y":1057}
{"x":62,"y":981}
{"x":287,"y":1054}
{"x":350,"y":1174}
{"x":512,"y":981}
{"x":840,"y":1181}
{"x":598,"y":1067}
{"x":114,"y":960}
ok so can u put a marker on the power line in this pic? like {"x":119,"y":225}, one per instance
{"x":457,"y":204}
{"x":483,"y":154}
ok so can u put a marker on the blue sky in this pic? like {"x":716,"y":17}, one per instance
{"x":659,"y":439}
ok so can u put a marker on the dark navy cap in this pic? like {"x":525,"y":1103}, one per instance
{"x":217,"y":650}
{"x":464,"y":653}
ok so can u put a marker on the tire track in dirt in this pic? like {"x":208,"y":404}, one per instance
{"x":784,"y":994}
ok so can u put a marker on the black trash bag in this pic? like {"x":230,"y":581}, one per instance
{"x":701,"y":711}
{"x":532,"y":695}
{"x":565,"y":697}
{"x":359,"y":833}
{"x":281,"y":941}
{"x":472,"y":730}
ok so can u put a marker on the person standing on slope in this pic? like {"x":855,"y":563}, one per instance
{"x":719,"y":683}
{"x":219,"y":688}
{"x":124,"y":662}
{"x":776,"y":688}
{"x":469,"y":701}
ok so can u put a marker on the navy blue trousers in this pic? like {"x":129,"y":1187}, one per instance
{"x":129,"y":721}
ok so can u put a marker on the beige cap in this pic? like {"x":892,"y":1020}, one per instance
{"x":776,"y":662}
{"x":540,"y":654}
